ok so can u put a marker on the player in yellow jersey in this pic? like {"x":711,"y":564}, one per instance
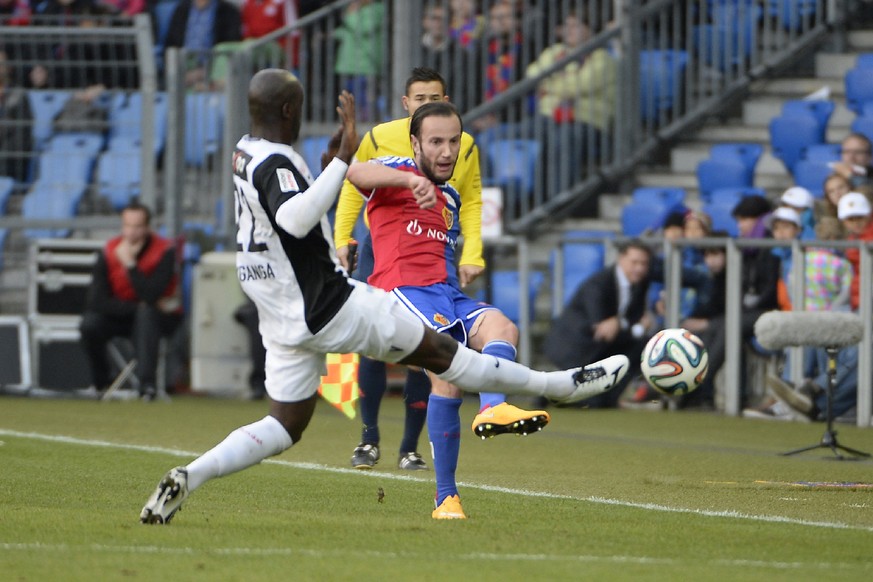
{"x":496,"y":416}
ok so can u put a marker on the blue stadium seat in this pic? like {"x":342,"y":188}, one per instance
{"x":513,"y":164}
{"x":65,"y":167}
{"x":721,"y":217}
{"x":793,"y":14}
{"x":865,"y":61}
{"x":639,"y":217}
{"x":728,"y":41}
{"x":713,"y":174}
{"x":863,"y":125}
{"x":505,"y":289}
{"x":791,"y":135}
{"x":45,"y":105}
{"x":823,"y":152}
{"x":125,"y":119}
{"x":730,"y":196}
{"x":124,"y":143}
{"x":747,"y":153}
{"x":859,"y":89}
{"x":52,"y":200}
{"x":88,"y":144}
{"x":204,"y":120}
{"x":581,"y":260}
{"x":820,"y":109}
{"x":119,"y":174}
{"x":6,"y":186}
{"x":811,"y":174}
{"x":671,"y":197}
{"x":662,"y":79}
{"x":311,"y":149}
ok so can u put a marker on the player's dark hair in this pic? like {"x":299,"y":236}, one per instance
{"x":139,"y":207}
{"x":425,"y":75}
{"x":437,"y":108}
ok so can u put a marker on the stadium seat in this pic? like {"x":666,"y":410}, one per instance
{"x":311,"y":149}
{"x":52,"y":201}
{"x":791,"y":135}
{"x":747,"y":153}
{"x":730,"y":196}
{"x":125,"y":119}
{"x":513,"y":164}
{"x":65,"y":167}
{"x":865,"y":61}
{"x":119,"y":174}
{"x":820,"y":109}
{"x":713,"y":174}
{"x":6,"y":186}
{"x":505,"y":292}
{"x":671,"y":197}
{"x":637,"y":218}
{"x":793,"y":14}
{"x":822,"y":152}
{"x":863,"y":125}
{"x":204,"y":117}
{"x":721,"y":217}
{"x":859,"y":89}
{"x":88,"y":144}
{"x":581,"y":260}
{"x":662,"y":79}
{"x":811,"y":174}
{"x":728,"y":41}
{"x":45,"y":105}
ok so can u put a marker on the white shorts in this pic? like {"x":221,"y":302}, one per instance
{"x":372,"y":323}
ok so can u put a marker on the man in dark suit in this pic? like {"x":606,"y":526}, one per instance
{"x":607,"y":315}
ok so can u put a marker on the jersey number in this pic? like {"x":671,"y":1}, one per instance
{"x":245,"y":215}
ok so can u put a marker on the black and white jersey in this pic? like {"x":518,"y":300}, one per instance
{"x":296,"y":283}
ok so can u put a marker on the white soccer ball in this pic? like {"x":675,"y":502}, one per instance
{"x":674,"y":361}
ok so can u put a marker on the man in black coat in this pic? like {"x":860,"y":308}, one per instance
{"x":607,"y":315}
{"x":199,"y":25}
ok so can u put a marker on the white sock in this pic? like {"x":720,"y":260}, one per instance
{"x":475,"y":372}
{"x":244,"y":447}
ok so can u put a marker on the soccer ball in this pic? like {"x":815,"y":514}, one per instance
{"x":674,"y":361}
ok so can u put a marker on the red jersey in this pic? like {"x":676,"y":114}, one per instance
{"x":412,"y":246}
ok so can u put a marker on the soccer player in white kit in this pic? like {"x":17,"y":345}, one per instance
{"x":308,"y":307}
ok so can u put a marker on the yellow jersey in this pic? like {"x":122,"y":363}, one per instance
{"x":392,"y":139}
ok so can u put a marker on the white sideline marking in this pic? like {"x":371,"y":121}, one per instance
{"x":482,"y":487}
{"x":347,"y":553}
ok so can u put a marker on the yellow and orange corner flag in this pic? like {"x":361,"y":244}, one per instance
{"x":340,"y":385}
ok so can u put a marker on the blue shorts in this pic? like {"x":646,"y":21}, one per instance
{"x":443,"y":307}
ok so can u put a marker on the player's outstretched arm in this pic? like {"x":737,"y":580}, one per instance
{"x":371,"y":175}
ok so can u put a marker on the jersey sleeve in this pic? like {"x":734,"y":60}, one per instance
{"x":469,"y":187}
{"x":277,"y":180}
{"x":350,"y":200}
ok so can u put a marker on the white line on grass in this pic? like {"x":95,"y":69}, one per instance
{"x":482,"y":487}
{"x":78,"y":549}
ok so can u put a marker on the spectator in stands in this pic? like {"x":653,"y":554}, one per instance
{"x":856,"y":161}
{"x":16,"y":120}
{"x":135,"y":293}
{"x":261,"y":17}
{"x":828,"y":279}
{"x":801,"y":201}
{"x":14,"y":13}
{"x":467,"y":25}
{"x":575,"y":105}
{"x":606,"y":315}
{"x":710,"y":303}
{"x":854,"y":213}
{"x":123,"y":7}
{"x":441,"y":52}
{"x":359,"y":55}
{"x":504,"y":57}
{"x":199,"y":25}
{"x":785,"y":226}
{"x":760,"y":277}
{"x":835,"y":187}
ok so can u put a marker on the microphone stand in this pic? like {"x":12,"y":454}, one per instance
{"x":829,"y":438}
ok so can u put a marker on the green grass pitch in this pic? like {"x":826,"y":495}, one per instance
{"x":598,"y":495}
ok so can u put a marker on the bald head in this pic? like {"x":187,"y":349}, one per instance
{"x":275,"y":105}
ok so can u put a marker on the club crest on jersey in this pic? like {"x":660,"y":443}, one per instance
{"x":440,"y":319}
{"x":240,"y":161}
{"x":287,"y":181}
{"x":413,"y":227}
{"x":449,"y":217}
